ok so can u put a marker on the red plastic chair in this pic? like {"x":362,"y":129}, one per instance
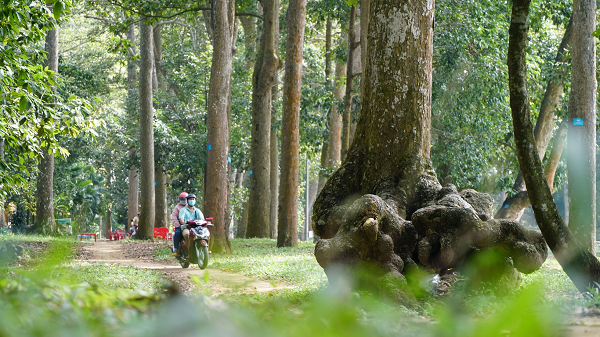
{"x":162,"y":232}
{"x":119,"y":234}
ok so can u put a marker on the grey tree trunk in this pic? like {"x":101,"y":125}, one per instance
{"x":329,"y":80}
{"x":346,"y":115}
{"x":581,"y":137}
{"x":513,"y":206}
{"x":44,"y":195}
{"x":160,"y":198}
{"x":161,"y":219}
{"x":134,"y":181}
{"x":147,"y":198}
{"x":265,"y":72}
{"x":577,"y":261}
{"x":335,"y":118}
{"x":217,"y":168}
{"x":365,"y":10}
{"x":274,"y":161}
{"x":249,"y":25}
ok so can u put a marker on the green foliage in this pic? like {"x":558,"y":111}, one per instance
{"x":31,"y":114}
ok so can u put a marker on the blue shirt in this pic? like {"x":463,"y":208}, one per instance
{"x":188,"y":215}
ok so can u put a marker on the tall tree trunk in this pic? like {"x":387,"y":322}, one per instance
{"x":217,"y":168}
{"x":513,"y":206}
{"x":147,"y":198}
{"x":160,"y":177}
{"x":581,"y":137}
{"x":580,"y":264}
{"x":265,"y":72}
{"x":160,"y":218}
{"x":329,"y":80}
{"x":44,"y":195}
{"x":347,"y":114}
{"x":365,"y":10}
{"x":274,"y":160}
{"x":134,"y":179}
{"x":290,"y":128}
{"x":335,"y":118}
{"x":384,"y":205}
{"x":249,"y":25}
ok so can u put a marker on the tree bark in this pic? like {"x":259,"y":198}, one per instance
{"x":134,"y":182}
{"x":581,"y":137}
{"x":274,"y":160}
{"x":147,"y":198}
{"x":347,"y":114}
{"x":513,"y":206}
{"x":290,"y":133}
{"x":365,"y":10}
{"x":160,"y":197}
{"x":580,"y":265}
{"x":329,"y":80}
{"x":335,"y":118}
{"x":249,"y":25}
{"x":217,"y":168}
{"x":265,"y":72}
{"x":44,"y":195}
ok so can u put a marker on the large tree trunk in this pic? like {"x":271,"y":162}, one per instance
{"x":347,"y":114}
{"x":216,"y":197}
{"x":265,"y":72}
{"x":274,"y":161}
{"x":581,"y":137}
{"x":290,"y":125}
{"x":580,"y":264}
{"x":44,"y":194}
{"x":513,"y":206}
{"x":384,"y":205}
{"x":147,"y":213}
{"x":134,"y":180}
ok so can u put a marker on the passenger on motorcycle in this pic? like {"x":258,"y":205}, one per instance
{"x":189,"y":213}
{"x":175,"y":220}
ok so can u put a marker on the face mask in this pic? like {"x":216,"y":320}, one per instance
{"x":183,"y":202}
{"x":192,"y":202}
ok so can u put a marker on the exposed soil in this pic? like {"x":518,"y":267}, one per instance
{"x":139,"y":254}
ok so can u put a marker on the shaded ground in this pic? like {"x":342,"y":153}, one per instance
{"x":139,"y":254}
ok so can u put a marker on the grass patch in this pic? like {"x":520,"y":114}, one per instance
{"x":261,"y":259}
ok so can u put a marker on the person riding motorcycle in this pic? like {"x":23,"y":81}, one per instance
{"x":189,"y":213}
{"x":175,"y":220}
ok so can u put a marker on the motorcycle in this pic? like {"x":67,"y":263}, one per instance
{"x":198,"y":239}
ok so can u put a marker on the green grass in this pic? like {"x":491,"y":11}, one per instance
{"x":261,"y":259}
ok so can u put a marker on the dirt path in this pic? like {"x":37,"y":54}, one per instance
{"x":219,"y":282}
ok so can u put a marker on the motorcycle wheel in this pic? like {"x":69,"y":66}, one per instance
{"x":183,"y":261}
{"x":202,"y":255}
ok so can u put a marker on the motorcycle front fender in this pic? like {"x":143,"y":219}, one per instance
{"x":204,"y":243}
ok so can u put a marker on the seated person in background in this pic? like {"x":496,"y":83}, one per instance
{"x":175,"y":221}
{"x":189,"y":213}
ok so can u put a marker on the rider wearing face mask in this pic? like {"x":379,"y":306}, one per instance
{"x":175,"y":220}
{"x":189,"y":213}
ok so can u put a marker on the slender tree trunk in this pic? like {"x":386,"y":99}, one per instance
{"x":134,"y":181}
{"x":217,"y":168}
{"x":513,"y":206}
{"x":160,"y":177}
{"x":160,"y":197}
{"x":581,"y":137}
{"x":290,"y":129}
{"x":347,"y":114}
{"x":265,"y":72}
{"x":274,"y":161}
{"x":365,"y":10}
{"x":147,"y":198}
{"x":335,"y":118}
{"x":249,"y":25}
{"x":580,"y":265}
{"x":44,"y":195}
